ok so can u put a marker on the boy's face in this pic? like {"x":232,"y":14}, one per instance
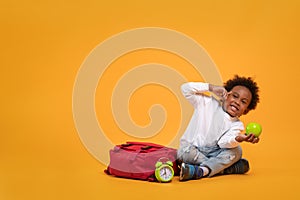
{"x":237,"y":101}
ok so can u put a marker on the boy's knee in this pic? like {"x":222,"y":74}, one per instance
{"x":231,"y":155}
{"x":188,"y":155}
{"x":238,"y":151}
{"x":235,"y":153}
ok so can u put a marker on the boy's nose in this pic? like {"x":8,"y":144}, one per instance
{"x":237,"y":102}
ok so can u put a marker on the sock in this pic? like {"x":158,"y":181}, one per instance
{"x":198,"y":172}
{"x":205,"y":170}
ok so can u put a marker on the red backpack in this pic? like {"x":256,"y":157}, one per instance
{"x":136,"y":160}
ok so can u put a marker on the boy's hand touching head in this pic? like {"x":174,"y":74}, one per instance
{"x":219,"y":91}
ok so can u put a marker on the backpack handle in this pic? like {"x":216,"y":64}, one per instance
{"x":146,"y":145}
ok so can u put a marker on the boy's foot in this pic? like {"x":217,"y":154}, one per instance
{"x":240,"y":167}
{"x":189,"y":172}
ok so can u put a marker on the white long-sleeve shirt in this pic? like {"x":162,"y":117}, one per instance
{"x":210,"y":125}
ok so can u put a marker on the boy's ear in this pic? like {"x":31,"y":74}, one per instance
{"x":246,"y":111}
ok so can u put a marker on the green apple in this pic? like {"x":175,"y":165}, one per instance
{"x":254,"y":128}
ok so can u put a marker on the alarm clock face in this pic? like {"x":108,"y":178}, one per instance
{"x":165,"y":173}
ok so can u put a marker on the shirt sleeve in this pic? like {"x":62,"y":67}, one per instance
{"x":192,"y":91}
{"x":228,"y":139}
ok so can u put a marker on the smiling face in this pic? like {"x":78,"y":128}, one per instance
{"x":237,"y":101}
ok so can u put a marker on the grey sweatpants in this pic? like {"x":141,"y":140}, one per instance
{"x":215,"y":158}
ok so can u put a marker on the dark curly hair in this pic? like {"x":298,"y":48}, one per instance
{"x":247,"y":82}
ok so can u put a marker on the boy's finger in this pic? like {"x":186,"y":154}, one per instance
{"x":250,"y":137}
{"x":256,"y":139}
{"x":227,"y":94}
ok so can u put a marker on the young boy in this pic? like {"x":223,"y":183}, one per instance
{"x":210,"y":144}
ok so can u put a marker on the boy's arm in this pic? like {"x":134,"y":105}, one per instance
{"x":192,"y":88}
{"x":228,"y":140}
{"x":193,"y":91}
{"x":234,"y":137}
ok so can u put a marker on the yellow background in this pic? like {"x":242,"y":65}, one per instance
{"x":43,"y":44}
